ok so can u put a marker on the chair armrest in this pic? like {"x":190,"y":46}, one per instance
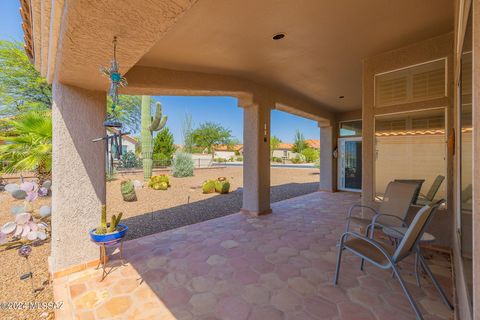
{"x":369,"y":240}
{"x":350,"y":211}
{"x":379,"y":215}
{"x":375,"y":223}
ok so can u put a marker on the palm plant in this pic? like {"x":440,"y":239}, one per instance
{"x":26,"y":144}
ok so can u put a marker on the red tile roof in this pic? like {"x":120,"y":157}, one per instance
{"x":224,"y":147}
{"x":284,"y":146}
{"x":312,"y":143}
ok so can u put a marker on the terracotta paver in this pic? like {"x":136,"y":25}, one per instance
{"x":278,"y":266}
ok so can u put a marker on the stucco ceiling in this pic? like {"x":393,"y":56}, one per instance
{"x":321,"y":56}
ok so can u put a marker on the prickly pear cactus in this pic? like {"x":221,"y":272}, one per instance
{"x":149,"y":125}
{"x":128,"y":191}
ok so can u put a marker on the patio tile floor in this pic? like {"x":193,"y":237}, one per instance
{"x":278,"y":266}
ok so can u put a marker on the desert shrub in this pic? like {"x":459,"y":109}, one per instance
{"x":299,"y":158}
{"x":220,"y":160}
{"x":240,"y":159}
{"x":277,"y":159}
{"x":129,"y":160}
{"x":161,"y":160}
{"x":310,"y":154}
{"x":182,"y":165}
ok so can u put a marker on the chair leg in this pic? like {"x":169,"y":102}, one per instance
{"x":339,"y":261}
{"x":407,"y":293}
{"x":417,"y":276}
{"x":435,"y":283}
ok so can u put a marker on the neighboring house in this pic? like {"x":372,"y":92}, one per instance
{"x":227,"y":152}
{"x":312,"y":143}
{"x":128,"y":142}
{"x":284,"y":151}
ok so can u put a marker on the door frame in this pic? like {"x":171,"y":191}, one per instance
{"x":339,"y":163}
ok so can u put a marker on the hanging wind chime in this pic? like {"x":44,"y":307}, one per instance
{"x":116,"y":81}
{"x":113,"y":150}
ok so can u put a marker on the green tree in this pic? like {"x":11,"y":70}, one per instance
{"x":127,"y":111}
{"x":28,"y":144}
{"x":209,"y":134}
{"x":310,"y":154}
{"x":274,"y":143}
{"x":22,"y":88}
{"x":299,"y":142}
{"x":187,"y":129}
{"x":163,"y":144}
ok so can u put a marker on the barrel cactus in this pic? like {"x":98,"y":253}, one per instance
{"x":160,"y":186}
{"x":161,"y":182}
{"x":222,"y":185}
{"x":128,"y":191}
{"x":149,"y":125}
{"x":208,"y":186}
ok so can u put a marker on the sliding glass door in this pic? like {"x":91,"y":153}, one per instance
{"x":350,"y":164}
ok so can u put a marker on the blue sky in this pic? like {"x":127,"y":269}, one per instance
{"x":223,"y":110}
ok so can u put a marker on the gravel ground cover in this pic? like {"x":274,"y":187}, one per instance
{"x":155,"y":211}
{"x":184,"y":203}
{"x":13,"y":289}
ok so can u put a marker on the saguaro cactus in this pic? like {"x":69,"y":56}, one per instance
{"x":149,"y":125}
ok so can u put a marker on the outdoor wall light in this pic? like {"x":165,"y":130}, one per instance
{"x":279,"y":36}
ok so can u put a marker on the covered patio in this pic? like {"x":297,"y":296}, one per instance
{"x":278,"y":266}
{"x":374,"y":74}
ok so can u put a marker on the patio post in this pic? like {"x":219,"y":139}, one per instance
{"x":78,"y":189}
{"x":327,"y":168}
{"x":256,"y":159}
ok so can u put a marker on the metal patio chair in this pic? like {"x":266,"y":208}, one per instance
{"x":429,"y":197}
{"x":386,"y":256}
{"x":393,"y":208}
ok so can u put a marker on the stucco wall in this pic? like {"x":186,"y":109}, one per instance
{"x":78,"y":173}
{"x":224,"y":154}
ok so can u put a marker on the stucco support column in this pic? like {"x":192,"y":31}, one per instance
{"x":256,"y":159}
{"x":78,"y":189}
{"x":327,"y":163}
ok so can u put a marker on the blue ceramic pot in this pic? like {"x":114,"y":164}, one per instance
{"x":109,"y":237}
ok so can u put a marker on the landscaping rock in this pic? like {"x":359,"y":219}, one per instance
{"x":45,"y":211}
{"x":19,"y":194}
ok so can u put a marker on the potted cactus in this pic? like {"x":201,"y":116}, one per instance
{"x":109,"y":232}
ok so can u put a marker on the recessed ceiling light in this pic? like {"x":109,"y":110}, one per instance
{"x":341,"y":97}
{"x":279,"y":36}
